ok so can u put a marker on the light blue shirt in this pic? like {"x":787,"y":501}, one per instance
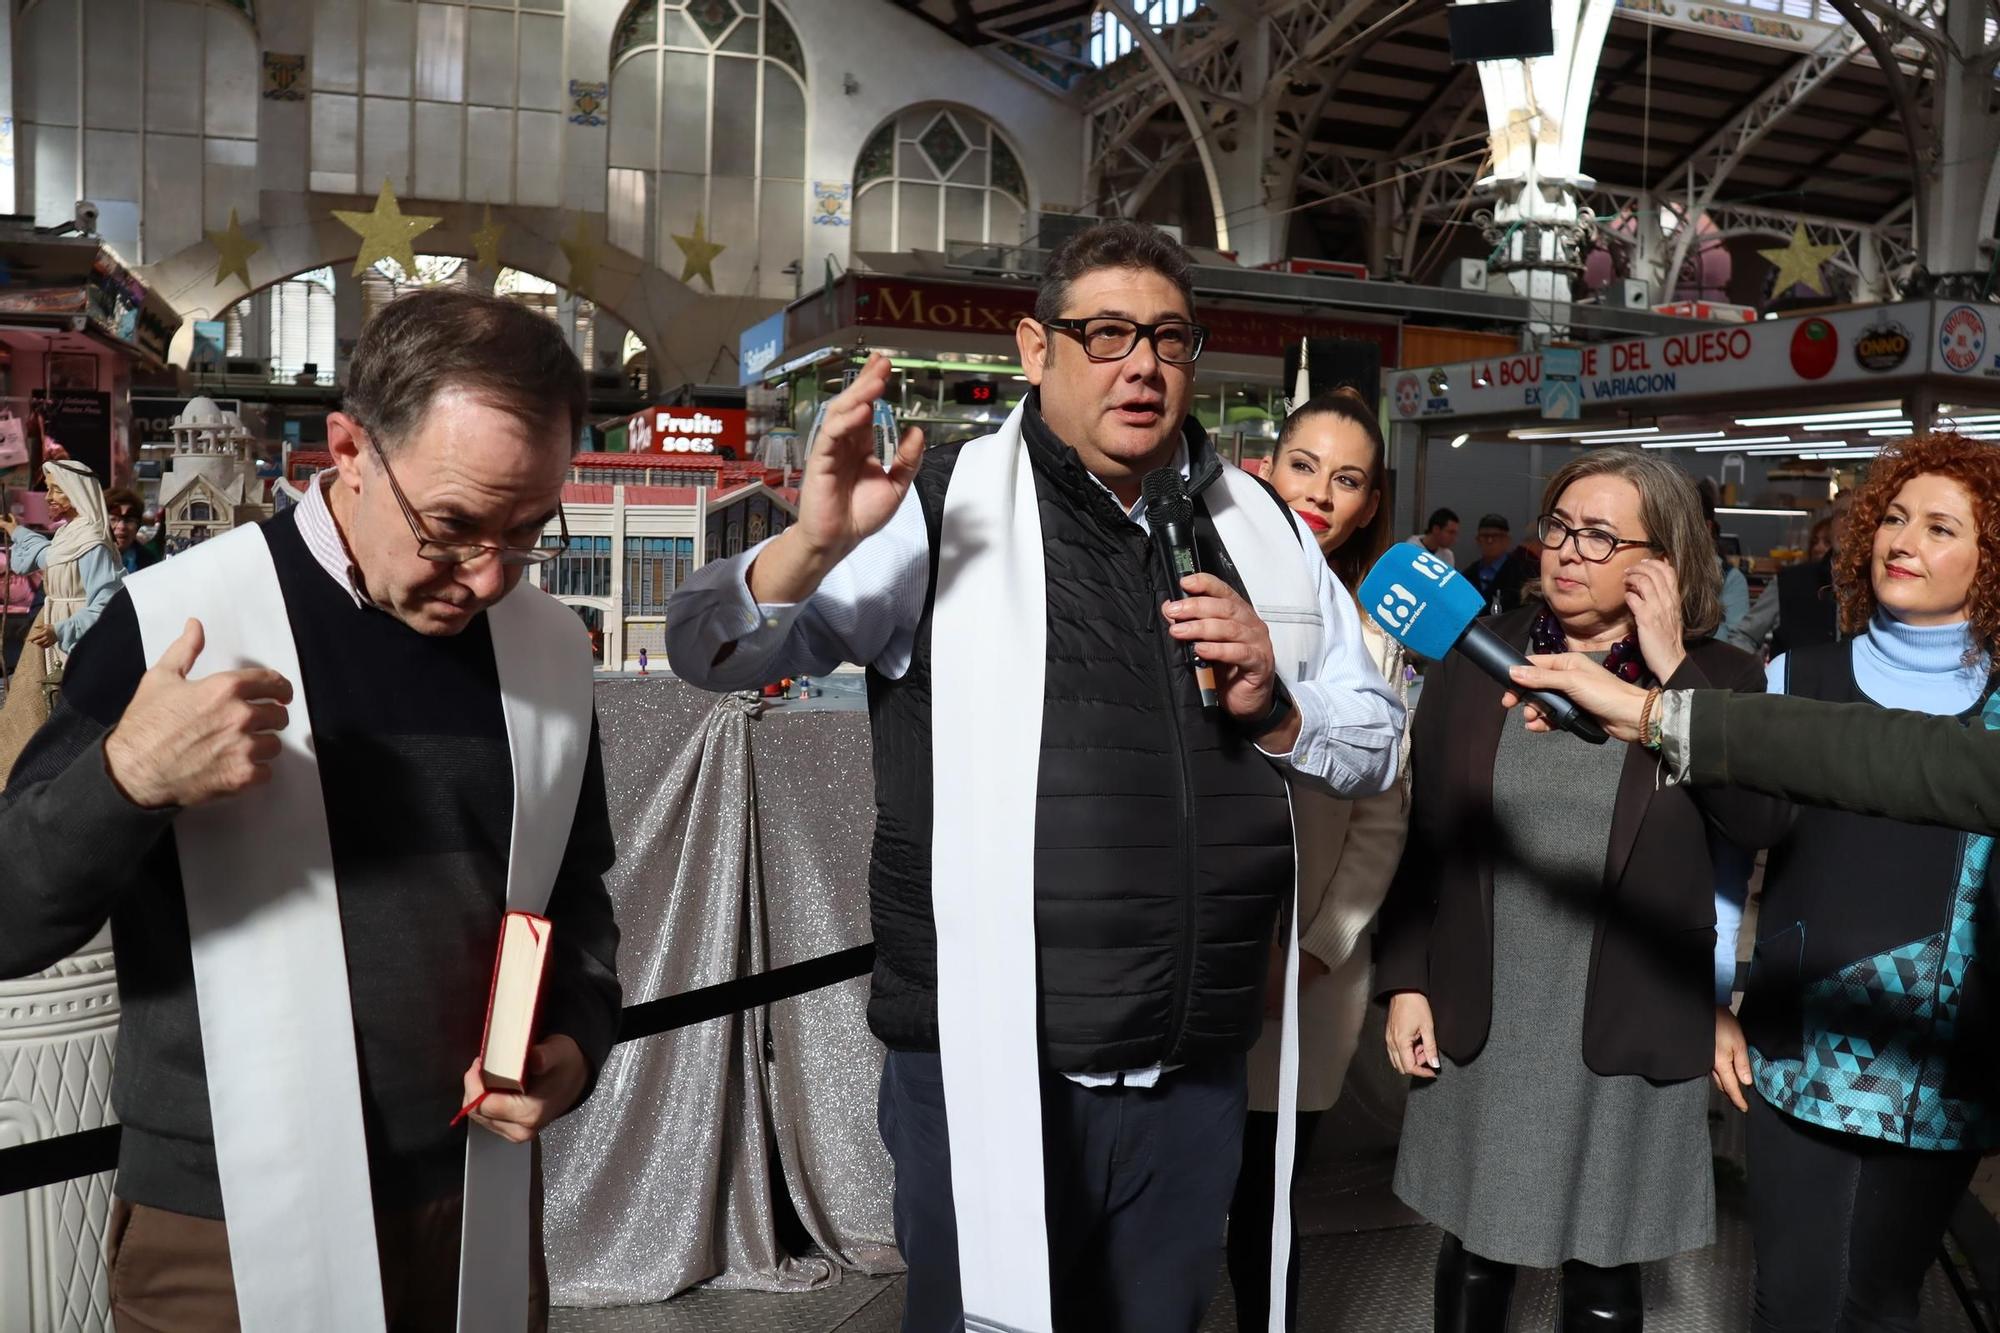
{"x":101,"y":572}
{"x":1920,"y":669}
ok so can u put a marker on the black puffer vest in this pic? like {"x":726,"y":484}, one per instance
{"x":1163,"y":840}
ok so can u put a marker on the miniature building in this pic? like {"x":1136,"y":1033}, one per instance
{"x":211,"y":484}
{"x":640,"y":523}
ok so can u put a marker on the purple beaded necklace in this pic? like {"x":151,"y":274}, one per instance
{"x":1625,"y":661}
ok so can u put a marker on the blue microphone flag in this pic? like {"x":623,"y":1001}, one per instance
{"x":1420,"y":601}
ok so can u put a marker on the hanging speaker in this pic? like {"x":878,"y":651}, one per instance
{"x":1500,"y":30}
{"x":1332,"y":362}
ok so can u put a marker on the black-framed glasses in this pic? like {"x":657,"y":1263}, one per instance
{"x":1108,"y":338}
{"x":1593,"y":544}
{"x":463,"y":553}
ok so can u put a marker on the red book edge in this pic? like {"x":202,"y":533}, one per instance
{"x":493,"y":990}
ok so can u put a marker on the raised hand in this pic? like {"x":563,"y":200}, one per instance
{"x":845,"y":495}
{"x":1653,"y":591}
{"x":183,"y":742}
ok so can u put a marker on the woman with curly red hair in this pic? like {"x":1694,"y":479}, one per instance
{"x":1866,"y":1013}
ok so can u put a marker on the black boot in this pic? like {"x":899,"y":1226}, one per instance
{"x":1472,"y":1293}
{"x":1601,"y":1300}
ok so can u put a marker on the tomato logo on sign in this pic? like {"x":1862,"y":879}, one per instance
{"x":1815,"y":349}
{"x":1962,"y":339}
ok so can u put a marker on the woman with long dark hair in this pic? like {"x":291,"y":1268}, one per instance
{"x":1870,"y":1031}
{"x":1330,"y":469}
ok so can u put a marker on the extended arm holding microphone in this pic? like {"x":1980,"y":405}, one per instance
{"x":1856,"y":757}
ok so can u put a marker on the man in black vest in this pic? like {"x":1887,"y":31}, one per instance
{"x":1162,"y":834}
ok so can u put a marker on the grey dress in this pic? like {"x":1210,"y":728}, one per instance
{"x":1525,"y":1154}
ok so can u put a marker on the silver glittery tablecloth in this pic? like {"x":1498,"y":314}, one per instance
{"x":743,"y":845}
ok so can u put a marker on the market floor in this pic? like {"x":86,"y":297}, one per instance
{"x":1366,"y":1269}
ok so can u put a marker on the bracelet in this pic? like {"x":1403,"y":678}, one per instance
{"x":1649,"y":715}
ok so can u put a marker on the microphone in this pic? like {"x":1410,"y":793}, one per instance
{"x":1430,"y":608}
{"x":1170,"y":514}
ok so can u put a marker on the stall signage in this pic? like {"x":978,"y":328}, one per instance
{"x":687,"y":430}
{"x":1882,"y":347}
{"x":1962,"y":339}
{"x":1769,"y":355}
{"x":955,"y":307}
{"x":758,"y":346}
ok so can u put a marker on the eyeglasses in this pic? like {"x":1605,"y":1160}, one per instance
{"x":462,"y":553}
{"x":1593,"y":544}
{"x":1104,"y":338}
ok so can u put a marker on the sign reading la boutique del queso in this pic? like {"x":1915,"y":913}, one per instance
{"x":688,"y":430}
{"x":1844,"y":347}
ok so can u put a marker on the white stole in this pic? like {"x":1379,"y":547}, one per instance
{"x":989,"y":651}
{"x":270,"y":964}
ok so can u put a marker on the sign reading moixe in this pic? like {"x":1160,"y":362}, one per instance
{"x":961,"y":307}
{"x":687,"y":430}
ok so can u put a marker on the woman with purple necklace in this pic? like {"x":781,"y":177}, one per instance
{"x":1546,"y":947}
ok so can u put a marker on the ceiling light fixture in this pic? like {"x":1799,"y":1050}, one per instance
{"x":1869,"y":414}
{"x":1744,"y":441}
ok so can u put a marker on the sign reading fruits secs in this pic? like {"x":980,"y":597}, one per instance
{"x":1815,"y":349}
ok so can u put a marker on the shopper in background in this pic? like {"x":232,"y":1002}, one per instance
{"x":18,"y":597}
{"x":127,"y":514}
{"x":1502,"y":570}
{"x":1798,"y":607}
{"x":1330,"y":469}
{"x":1440,"y":534}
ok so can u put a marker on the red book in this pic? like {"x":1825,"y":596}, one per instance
{"x":515,"y":1001}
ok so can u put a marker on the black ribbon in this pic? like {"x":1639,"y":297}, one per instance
{"x":88,"y":1152}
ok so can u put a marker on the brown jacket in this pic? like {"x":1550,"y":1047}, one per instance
{"x":1650,"y":993}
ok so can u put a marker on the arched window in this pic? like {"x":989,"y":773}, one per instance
{"x":200,"y":512}
{"x":935,"y":174}
{"x":289,"y":322}
{"x":708,"y":130}
{"x":385,"y":280}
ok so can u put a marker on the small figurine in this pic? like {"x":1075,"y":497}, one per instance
{"x":642,"y":662}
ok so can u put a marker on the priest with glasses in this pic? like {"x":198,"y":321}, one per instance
{"x":301,"y":772}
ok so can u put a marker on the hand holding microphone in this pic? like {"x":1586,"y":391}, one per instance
{"x":1431,"y":609}
{"x":1229,"y":645}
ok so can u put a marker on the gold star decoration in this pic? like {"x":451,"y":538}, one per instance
{"x":486,"y":242}
{"x":583,"y":254}
{"x":385,"y":232}
{"x":1799,"y":262}
{"x":699,"y":254}
{"x":233,"y":250}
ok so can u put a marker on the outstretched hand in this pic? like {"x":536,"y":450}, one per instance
{"x":1616,"y":704}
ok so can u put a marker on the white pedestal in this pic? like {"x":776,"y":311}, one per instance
{"x":57,"y":1031}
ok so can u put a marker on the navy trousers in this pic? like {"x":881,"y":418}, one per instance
{"x":1138,"y":1182}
